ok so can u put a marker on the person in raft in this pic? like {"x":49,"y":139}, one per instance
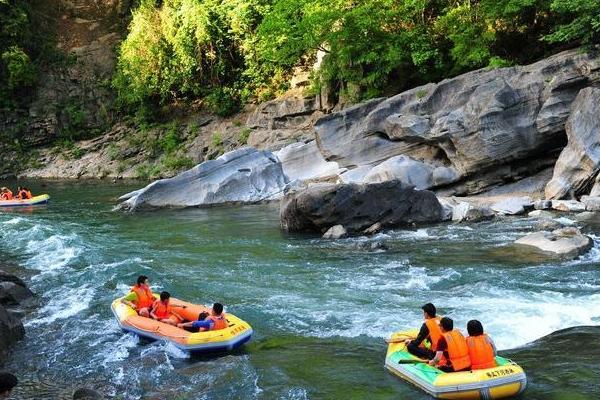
{"x":7,"y":382}
{"x":482,"y":350}
{"x":162,"y":310}
{"x":452,"y":353}
{"x":6,"y":194}
{"x":23,"y":193}
{"x":217,"y":320}
{"x":430,"y":330}
{"x":140,"y":298}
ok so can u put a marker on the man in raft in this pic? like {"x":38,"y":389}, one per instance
{"x":452,"y":352}
{"x":6,"y":194}
{"x":162,"y":310}
{"x":141,"y":298}
{"x":430,"y":330}
{"x":215,"y":321}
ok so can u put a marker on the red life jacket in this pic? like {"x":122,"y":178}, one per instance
{"x":8,"y":195}
{"x":435,"y":333}
{"x":219,"y":322}
{"x":144,"y":296}
{"x":458,"y":352}
{"x":481,"y":352}
{"x":162,"y":310}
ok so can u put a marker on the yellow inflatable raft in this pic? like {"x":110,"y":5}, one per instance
{"x":238,"y":332}
{"x":34,"y":201}
{"x":505,"y":380}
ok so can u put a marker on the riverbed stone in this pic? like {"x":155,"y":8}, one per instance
{"x":568,"y":205}
{"x":512,"y":205}
{"x":245,"y":175}
{"x":592,"y":203}
{"x":540,"y":214}
{"x":357,"y":207}
{"x":335,"y":232}
{"x":579,"y":161}
{"x":542,"y":204}
{"x":564,"y":242}
{"x":466,"y":212}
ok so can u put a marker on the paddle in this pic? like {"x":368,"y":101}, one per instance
{"x":399,"y":339}
{"x":413,"y":361}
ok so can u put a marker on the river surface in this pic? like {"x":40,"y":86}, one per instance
{"x":320,"y":309}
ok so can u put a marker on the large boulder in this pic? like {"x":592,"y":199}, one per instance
{"x":512,"y":205}
{"x":11,"y":330}
{"x":565,"y":242}
{"x":579,"y":162}
{"x":404,"y":169}
{"x":12,"y":289}
{"x":304,"y":161}
{"x":480,"y":124}
{"x":246,"y":175}
{"x":357,"y":207}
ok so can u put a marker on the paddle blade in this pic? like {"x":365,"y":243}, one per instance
{"x":416,"y":361}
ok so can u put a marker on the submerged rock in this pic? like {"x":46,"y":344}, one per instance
{"x":564,"y":242}
{"x":579,"y":162}
{"x":246,"y":175}
{"x":357,"y":207}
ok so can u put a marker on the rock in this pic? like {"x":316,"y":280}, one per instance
{"x":476,"y":123}
{"x":304,"y":161}
{"x":588,"y":216}
{"x":579,"y":162}
{"x":11,"y":330}
{"x":373,"y":229}
{"x":335,"y":232}
{"x":377,"y":245}
{"x":565,"y":242}
{"x":466,"y":212}
{"x":357,"y":207}
{"x":540,"y":214}
{"x":86,"y":394}
{"x":12,"y":289}
{"x":547,"y":224}
{"x":356,"y":175}
{"x":447,"y":208}
{"x":402,"y":168}
{"x":592,"y":203}
{"x":568,"y":205}
{"x":542,"y":204}
{"x":246,"y":175}
{"x":512,"y":206}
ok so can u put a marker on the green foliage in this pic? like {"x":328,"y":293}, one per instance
{"x":580,"y":22}
{"x":223,"y":102}
{"x":217,"y":140}
{"x":170,"y":141}
{"x":19,"y":70}
{"x":174,"y":163}
{"x":244,"y":135}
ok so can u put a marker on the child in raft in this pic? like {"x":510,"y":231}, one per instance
{"x":482,"y":350}
{"x":162,"y":310}
{"x":215,"y":321}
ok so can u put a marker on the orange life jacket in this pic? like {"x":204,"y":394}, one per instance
{"x":458,"y":352}
{"x":161,"y":310}
{"x":144,"y":296}
{"x":24,"y":194}
{"x":8,"y":195}
{"x":481,"y":352}
{"x":435,"y":333}
{"x":219,"y":322}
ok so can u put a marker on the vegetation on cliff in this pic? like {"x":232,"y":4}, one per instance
{"x":228,"y":51}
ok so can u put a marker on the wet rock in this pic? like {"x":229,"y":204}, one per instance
{"x":542,"y":204}
{"x":564,"y":242}
{"x":465,"y":212}
{"x":12,"y":289}
{"x":512,"y":206}
{"x":373,"y":229}
{"x":568,"y":205}
{"x":11,"y":330}
{"x":86,"y":394}
{"x":377,"y":245}
{"x":357,"y":207}
{"x":547,"y":224}
{"x":447,"y":208}
{"x":579,"y":162}
{"x":335,"y":232}
{"x":246,"y":175}
{"x":592,"y":203}
{"x":541,"y":214}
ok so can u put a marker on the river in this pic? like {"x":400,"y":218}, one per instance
{"x":320,"y":309}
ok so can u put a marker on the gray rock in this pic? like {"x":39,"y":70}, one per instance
{"x":588,"y":216}
{"x":541,"y":214}
{"x":357,"y":207}
{"x":86,"y":394}
{"x":11,"y":330}
{"x":565,"y":242}
{"x":246,"y":175}
{"x":592,"y":203}
{"x":12,"y":289}
{"x":546,"y":224}
{"x":579,"y":162}
{"x":447,"y":208}
{"x":475,"y":123}
{"x":568,"y":205}
{"x":373,"y":229}
{"x":335,"y":232}
{"x":465,"y":212}
{"x":542,"y":204}
{"x":512,"y":206}
{"x":404,"y":169}
{"x":355,"y":175}
{"x":304,"y":161}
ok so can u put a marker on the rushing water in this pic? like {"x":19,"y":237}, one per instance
{"x":320,"y":309}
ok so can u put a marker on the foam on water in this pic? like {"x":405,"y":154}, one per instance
{"x":63,"y":304}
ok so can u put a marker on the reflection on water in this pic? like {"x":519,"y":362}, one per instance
{"x":320,"y":309}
